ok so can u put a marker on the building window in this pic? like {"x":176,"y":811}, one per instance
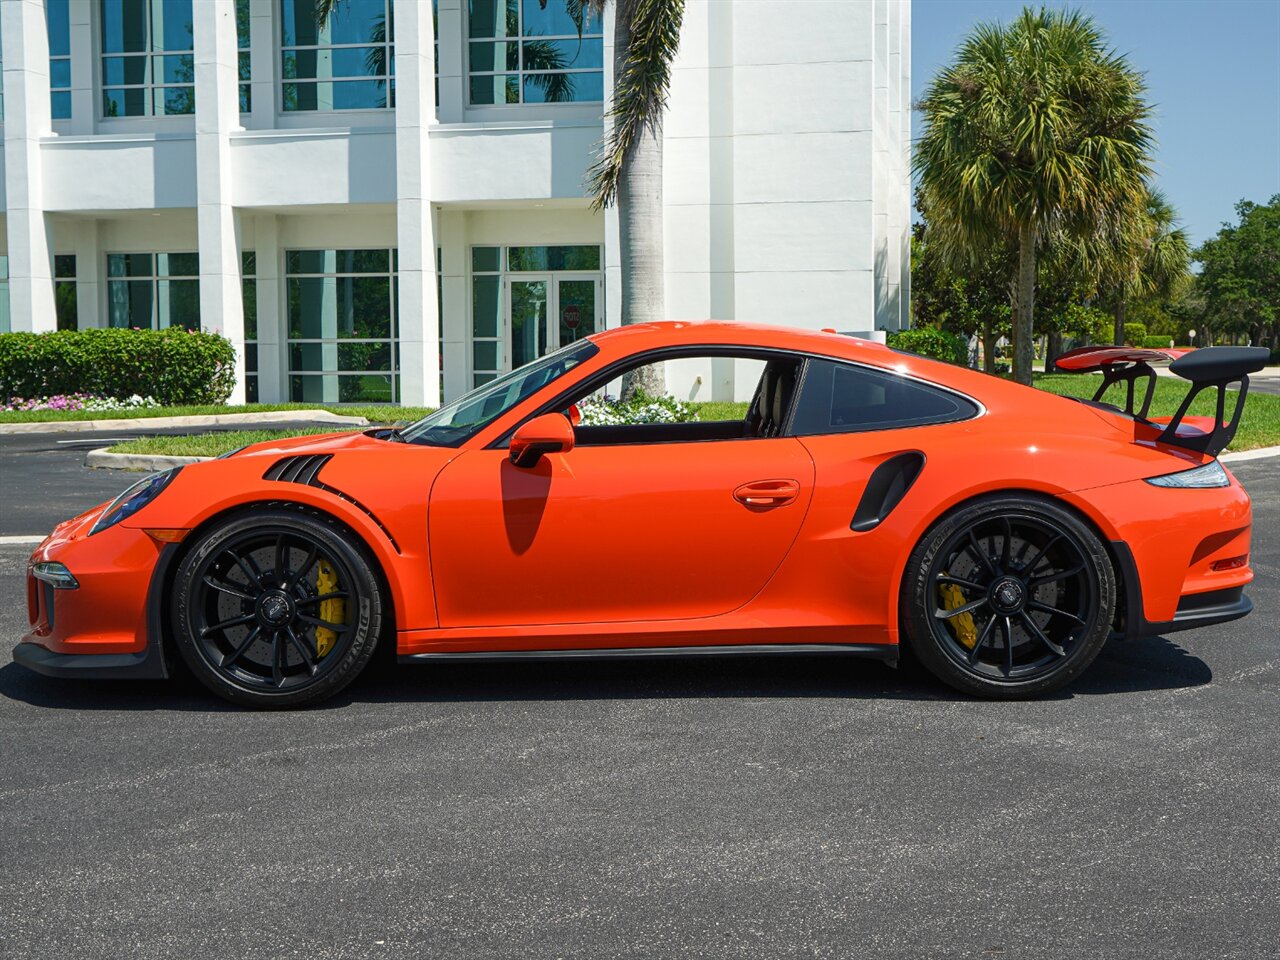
{"x":486,"y":314}
{"x":249,"y":293}
{"x":243,"y":25}
{"x":147,"y":58}
{"x":342,"y":326}
{"x":348,"y":64}
{"x":58,"y":20}
{"x":64,"y":291}
{"x":153,"y":290}
{"x":533,"y":51}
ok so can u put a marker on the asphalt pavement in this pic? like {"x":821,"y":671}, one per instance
{"x":753,"y":808}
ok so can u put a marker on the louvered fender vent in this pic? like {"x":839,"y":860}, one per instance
{"x":305,"y":469}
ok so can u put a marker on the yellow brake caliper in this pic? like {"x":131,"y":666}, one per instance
{"x":333,"y":610}
{"x":962,"y":623}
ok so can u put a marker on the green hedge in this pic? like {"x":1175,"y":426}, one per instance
{"x":931,"y":343}
{"x":1135,"y":333}
{"x":173,"y":366}
{"x":1156,"y":342}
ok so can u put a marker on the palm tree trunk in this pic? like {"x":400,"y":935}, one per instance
{"x":1053,"y":351}
{"x":1024,"y":322}
{"x":640,"y":231}
{"x":988,"y":346}
{"x":1119,"y":337}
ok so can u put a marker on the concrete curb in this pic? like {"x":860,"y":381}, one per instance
{"x":102,"y":459}
{"x":1261,"y":453}
{"x":207,"y":420}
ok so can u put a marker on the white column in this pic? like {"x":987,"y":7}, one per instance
{"x":26,"y":120}
{"x":85,"y":63}
{"x":415,"y":230}
{"x":262,"y":67}
{"x":454,"y":322}
{"x":272,"y":335}
{"x":453,"y":84}
{"x":217,"y":114}
{"x":90,"y":295}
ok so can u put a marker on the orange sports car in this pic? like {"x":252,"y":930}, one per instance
{"x":866,"y":499}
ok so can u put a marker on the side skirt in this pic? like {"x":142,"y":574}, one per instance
{"x":888,"y":652}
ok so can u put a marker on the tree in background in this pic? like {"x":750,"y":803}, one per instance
{"x":1036,"y":128}
{"x":1151,"y":260}
{"x":646,"y":36}
{"x":1240,"y":279}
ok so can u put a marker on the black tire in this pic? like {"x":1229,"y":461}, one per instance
{"x":248,"y":617}
{"x":1035,"y":583}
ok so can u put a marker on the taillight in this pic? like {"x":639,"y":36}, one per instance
{"x":1231,"y":563}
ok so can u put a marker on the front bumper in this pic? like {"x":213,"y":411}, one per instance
{"x":109,"y":625}
{"x":147,"y":665}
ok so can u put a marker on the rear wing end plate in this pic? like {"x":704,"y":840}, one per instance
{"x":1216,"y":368}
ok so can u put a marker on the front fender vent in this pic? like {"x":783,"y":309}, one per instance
{"x":305,"y":469}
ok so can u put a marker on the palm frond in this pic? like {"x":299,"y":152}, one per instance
{"x":648,"y":35}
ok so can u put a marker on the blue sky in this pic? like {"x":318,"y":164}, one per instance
{"x":1213,"y":74}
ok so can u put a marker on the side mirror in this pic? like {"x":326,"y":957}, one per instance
{"x":549,"y":433}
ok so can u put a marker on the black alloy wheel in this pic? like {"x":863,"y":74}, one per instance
{"x":277,"y":608}
{"x":1009,"y":597}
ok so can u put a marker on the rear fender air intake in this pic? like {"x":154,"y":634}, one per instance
{"x":888,"y":484}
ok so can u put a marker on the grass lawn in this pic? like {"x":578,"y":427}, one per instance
{"x":213,"y":444}
{"x":1260,"y":426}
{"x":210,"y":444}
{"x":375,"y":414}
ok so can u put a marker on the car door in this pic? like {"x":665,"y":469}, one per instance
{"x":653,"y":531}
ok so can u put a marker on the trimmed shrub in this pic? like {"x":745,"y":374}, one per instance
{"x":1134,"y":333}
{"x":1157,"y":342}
{"x":949,"y":347}
{"x":174,"y":365}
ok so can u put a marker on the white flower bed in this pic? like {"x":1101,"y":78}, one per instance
{"x":605,"y":411}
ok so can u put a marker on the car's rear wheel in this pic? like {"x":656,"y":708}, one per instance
{"x":277,"y":608}
{"x":1010,"y":596}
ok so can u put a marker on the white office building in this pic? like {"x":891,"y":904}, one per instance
{"x":393,"y":207}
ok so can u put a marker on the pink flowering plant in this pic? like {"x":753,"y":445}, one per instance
{"x":77,"y":401}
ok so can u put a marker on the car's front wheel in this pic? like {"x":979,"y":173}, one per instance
{"x":1010,"y":596}
{"x":277,"y":608}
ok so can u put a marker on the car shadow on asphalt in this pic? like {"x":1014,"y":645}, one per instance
{"x":1134,"y":666}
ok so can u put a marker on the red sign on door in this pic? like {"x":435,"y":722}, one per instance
{"x":571,"y":316}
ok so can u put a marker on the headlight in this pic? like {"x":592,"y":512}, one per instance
{"x":56,"y":575}
{"x":133,"y":499}
{"x":1210,"y":475}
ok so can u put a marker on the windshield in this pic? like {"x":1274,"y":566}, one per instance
{"x":456,"y":422}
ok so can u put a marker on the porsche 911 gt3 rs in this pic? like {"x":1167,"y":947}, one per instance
{"x":866,"y":500}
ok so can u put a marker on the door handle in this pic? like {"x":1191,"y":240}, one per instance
{"x":767,"y":493}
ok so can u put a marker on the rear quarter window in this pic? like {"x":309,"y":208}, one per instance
{"x":842,"y":398}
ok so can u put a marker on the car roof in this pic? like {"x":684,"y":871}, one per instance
{"x":674,"y":333}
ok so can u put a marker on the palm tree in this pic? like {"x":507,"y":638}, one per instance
{"x":629,"y":170}
{"x":1037,"y":128}
{"x":1160,"y":257}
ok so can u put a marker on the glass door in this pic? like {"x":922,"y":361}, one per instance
{"x":528,"y":306}
{"x":545,"y":312}
{"x":577,"y":300}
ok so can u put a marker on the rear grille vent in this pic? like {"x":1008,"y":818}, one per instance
{"x":305,"y":470}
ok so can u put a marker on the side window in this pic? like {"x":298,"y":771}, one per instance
{"x":690,"y":398}
{"x":841,"y":398}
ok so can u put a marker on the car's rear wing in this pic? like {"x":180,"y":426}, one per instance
{"x":1210,"y":367}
